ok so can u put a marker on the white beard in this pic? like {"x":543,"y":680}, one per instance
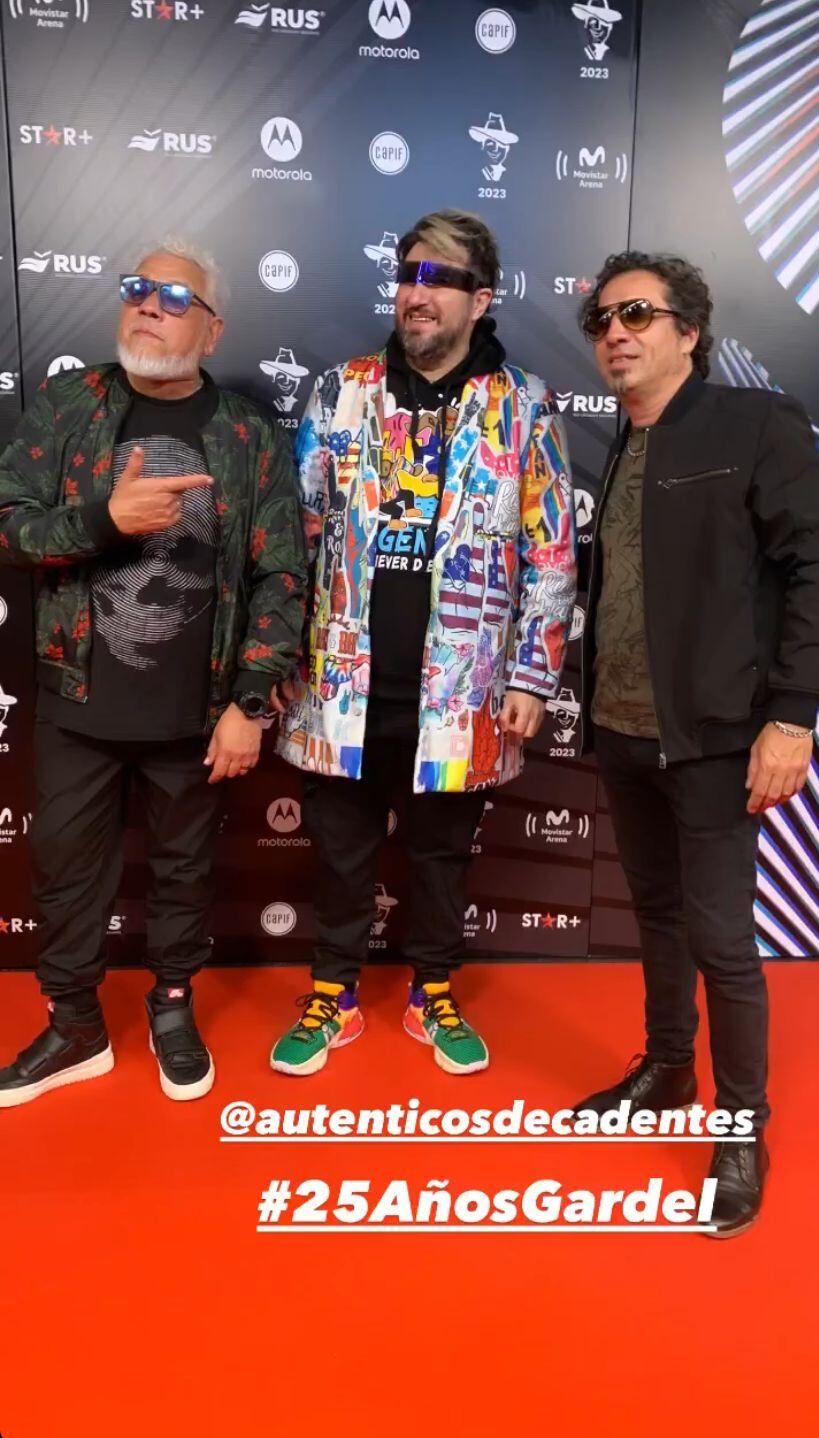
{"x":144,"y":366}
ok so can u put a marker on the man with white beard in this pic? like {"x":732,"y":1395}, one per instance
{"x":159,"y":513}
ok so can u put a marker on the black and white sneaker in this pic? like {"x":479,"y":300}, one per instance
{"x":74,"y":1047}
{"x":186,"y":1069}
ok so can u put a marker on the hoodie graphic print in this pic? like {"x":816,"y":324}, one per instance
{"x":419,"y":419}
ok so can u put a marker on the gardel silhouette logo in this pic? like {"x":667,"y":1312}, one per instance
{"x":390,"y":19}
{"x":566,"y":711}
{"x":7,"y":702}
{"x":598,"y":20}
{"x":49,"y":17}
{"x":281,"y":139}
{"x":477,"y":842}
{"x":384,"y":904}
{"x":67,"y":137}
{"x":385,"y":257}
{"x":282,"y":20}
{"x":495,"y":141}
{"x":286,"y":376}
{"x":172,"y":142}
{"x":43,"y":261}
{"x":165,"y":10}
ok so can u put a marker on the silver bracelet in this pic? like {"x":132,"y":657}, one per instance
{"x":793,"y":731}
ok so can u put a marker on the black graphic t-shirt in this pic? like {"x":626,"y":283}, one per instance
{"x":153,"y":596}
{"x":419,"y":419}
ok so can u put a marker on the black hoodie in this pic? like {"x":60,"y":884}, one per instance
{"x":420,"y":418}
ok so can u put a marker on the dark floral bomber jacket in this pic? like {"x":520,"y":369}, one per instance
{"x":55,"y":481}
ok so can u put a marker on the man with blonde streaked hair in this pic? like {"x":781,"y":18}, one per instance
{"x":159,"y":514}
{"x":438,"y":511}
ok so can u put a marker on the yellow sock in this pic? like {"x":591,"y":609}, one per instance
{"x":446,"y":1015}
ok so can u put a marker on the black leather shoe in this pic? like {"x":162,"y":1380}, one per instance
{"x":648,"y":1085}
{"x":186,"y":1069}
{"x":73,"y":1047}
{"x":740,"y":1170}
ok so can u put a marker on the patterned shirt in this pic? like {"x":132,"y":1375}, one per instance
{"x":623,"y":697}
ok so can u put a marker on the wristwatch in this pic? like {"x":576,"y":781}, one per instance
{"x":254,"y":706}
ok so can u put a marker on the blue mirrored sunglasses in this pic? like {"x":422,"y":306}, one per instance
{"x":174,"y":299}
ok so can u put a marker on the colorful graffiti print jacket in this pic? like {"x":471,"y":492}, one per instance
{"x":55,"y":480}
{"x":498,"y":621}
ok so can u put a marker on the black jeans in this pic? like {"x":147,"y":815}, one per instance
{"x":81,"y":790}
{"x":688,"y":848}
{"x":347,"y":822}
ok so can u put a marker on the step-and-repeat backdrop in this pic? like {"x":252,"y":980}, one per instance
{"x":298,"y":143}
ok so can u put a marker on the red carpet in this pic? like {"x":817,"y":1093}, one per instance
{"x":138,"y":1299}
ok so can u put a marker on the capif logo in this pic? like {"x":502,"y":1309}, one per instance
{"x":278,"y":271}
{"x":495,"y":31}
{"x":389,"y":153}
{"x":278,"y":919}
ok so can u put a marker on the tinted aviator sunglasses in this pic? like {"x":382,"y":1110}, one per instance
{"x":633,"y":314}
{"x":429,"y":272}
{"x":174,"y":299}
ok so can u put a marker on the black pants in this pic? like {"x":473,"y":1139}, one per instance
{"x":347,"y":822}
{"x":76,"y":846}
{"x":688,"y":848}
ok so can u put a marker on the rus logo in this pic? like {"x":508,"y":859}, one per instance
{"x":172,"y":142}
{"x":60,"y":264}
{"x":280,"y":18}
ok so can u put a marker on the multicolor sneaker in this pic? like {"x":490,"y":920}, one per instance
{"x":330,"y":1020}
{"x":433,"y":1017}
